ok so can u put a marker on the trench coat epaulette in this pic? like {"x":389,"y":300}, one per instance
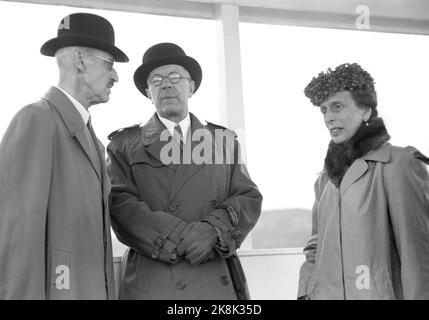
{"x":213,"y":126}
{"x":421,"y":157}
{"x":116,"y":133}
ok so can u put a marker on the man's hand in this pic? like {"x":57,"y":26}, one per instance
{"x":198,"y":240}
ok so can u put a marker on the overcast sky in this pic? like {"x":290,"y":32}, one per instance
{"x":286,"y":136}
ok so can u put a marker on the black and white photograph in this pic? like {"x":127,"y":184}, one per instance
{"x":214,"y":150}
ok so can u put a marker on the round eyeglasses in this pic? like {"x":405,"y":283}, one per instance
{"x":173,"y":77}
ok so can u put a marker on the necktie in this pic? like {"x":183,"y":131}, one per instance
{"x":96,"y":150}
{"x":178,"y":136}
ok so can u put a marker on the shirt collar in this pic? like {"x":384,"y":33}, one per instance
{"x":82,"y":110}
{"x":184,"y":124}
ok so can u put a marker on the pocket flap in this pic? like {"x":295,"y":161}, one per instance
{"x":145,"y":158}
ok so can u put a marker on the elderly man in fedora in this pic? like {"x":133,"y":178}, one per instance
{"x":182,"y":218}
{"x":55,"y":238}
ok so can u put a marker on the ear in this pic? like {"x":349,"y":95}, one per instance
{"x":191,"y":88}
{"x":148,"y":94}
{"x":78,"y":60}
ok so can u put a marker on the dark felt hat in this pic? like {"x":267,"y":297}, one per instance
{"x":162,"y":54}
{"x":84,"y":30}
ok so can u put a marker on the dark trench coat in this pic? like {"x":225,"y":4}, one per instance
{"x":150,"y":199}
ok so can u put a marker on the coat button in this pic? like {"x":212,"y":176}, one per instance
{"x":225,"y":280}
{"x":173,"y":207}
{"x":180,"y":285}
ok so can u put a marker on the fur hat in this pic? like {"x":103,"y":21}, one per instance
{"x":345,"y":77}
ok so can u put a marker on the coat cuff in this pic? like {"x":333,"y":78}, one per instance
{"x":165,"y":246}
{"x":229,"y":236}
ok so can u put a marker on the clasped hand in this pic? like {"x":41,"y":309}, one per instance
{"x":197,"y":242}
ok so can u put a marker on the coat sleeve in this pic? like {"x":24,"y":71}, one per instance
{"x":310,"y":248}
{"x":238,"y":213}
{"x":25,"y":167}
{"x":408,"y":199}
{"x":152,"y":233}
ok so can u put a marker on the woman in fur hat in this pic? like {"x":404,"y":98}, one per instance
{"x":370,"y":236}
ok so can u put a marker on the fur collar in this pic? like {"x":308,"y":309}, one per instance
{"x":341,"y":156}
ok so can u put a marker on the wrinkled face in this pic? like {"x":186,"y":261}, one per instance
{"x":343,"y":116}
{"x":99,"y":76}
{"x":169,"y":88}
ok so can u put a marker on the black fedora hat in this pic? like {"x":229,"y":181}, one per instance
{"x":85,"y":30}
{"x":162,"y":54}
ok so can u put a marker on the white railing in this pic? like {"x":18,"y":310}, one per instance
{"x":272,"y":274}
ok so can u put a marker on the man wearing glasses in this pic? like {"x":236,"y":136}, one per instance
{"x":182,"y":211}
{"x":54,"y":218}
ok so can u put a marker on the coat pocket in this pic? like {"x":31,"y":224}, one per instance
{"x":60,"y":274}
{"x":383,"y":283}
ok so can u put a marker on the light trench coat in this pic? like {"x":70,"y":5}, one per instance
{"x":55,"y":240}
{"x":370,"y":237}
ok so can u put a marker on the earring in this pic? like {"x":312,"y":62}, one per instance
{"x":366,"y":123}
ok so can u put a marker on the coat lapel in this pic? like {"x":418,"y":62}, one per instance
{"x":78,"y":130}
{"x":151,"y":135}
{"x":185,"y":171}
{"x":360,"y":166}
{"x":104,"y":174}
{"x":74,"y":123}
{"x":356,"y":170}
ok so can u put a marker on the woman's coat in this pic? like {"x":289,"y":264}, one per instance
{"x":370,"y":237}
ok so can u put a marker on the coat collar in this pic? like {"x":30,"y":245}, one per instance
{"x":68,"y":112}
{"x":151,"y":133}
{"x":360,"y":166}
{"x":366,"y":144}
{"x":187,"y":171}
{"x":153,"y":128}
{"x":76,"y":127}
{"x":381,"y":154}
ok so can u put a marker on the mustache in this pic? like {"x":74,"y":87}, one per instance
{"x":168,"y":94}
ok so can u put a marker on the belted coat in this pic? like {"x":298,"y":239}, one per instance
{"x":151,"y":200}
{"x":55,"y":240}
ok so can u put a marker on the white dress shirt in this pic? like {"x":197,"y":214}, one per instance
{"x":184,"y":125}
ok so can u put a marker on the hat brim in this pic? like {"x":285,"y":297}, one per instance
{"x":190,"y":64}
{"x":51,"y":46}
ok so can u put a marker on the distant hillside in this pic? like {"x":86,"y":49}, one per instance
{"x":285,"y":228}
